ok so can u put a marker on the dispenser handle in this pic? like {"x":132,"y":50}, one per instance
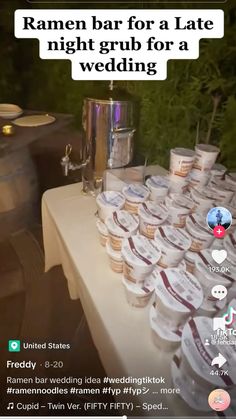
{"x":123,"y":130}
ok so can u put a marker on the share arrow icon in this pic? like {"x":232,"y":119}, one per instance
{"x":219,"y":361}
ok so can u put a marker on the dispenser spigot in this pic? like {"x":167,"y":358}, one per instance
{"x":68,"y":165}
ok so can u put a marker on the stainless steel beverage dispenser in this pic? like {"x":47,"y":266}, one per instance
{"x":108,"y":124}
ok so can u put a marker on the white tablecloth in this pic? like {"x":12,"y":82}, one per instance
{"x":121,"y":334}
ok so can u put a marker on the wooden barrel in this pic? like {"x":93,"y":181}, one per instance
{"x":18,"y":191}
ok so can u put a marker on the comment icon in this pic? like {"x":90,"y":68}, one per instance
{"x":219,"y":292}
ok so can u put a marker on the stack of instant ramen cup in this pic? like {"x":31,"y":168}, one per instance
{"x":157,"y":239}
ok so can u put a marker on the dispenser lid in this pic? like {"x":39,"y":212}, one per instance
{"x":115,"y":95}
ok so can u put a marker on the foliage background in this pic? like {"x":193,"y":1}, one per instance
{"x":169,"y":111}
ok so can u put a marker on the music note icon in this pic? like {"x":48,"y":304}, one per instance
{"x":10,"y":406}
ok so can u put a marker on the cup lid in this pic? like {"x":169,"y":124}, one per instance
{"x":140,"y":251}
{"x":178,"y":290}
{"x":158,"y":325}
{"x":172,"y":238}
{"x":136,"y":193}
{"x":145,"y":289}
{"x":122,"y":223}
{"x":110,"y":199}
{"x":157,"y":182}
{"x":187,"y":152}
{"x":207,"y":148}
{"x":153,"y":213}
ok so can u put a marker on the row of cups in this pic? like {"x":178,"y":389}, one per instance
{"x":178,"y":294}
{"x":191,"y":169}
{"x":177,"y":210}
{"x":183,"y":160}
{"x":141,"y":260}
{"x":152,"y":223}
{"x":179,"y":206}
{"x":178,"y":297}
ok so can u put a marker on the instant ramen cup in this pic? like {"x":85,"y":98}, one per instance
{"x":173,"y":244}
{"x":181,"y":161}
{"x":231,"y":178}
{"x":181,"y":265}
{"x":211,"y":308}
{"x":206,"y":156}
{"x":200,"y":235}
{"x":178,"y":295}
{"x":191,"y":392}
{"x":151,"y":216}
{"x":190,"y":260}
{"x":183,"y":201}
{"x":203,"y":202}
{"x":135,"y":195}
{"x":140,"y":256}
{"x":198,"y":179}
{"x":138,"y":296}
{"x":223,"y":191}
{"x":179,"y":186}
{"x":121,"y":225}
{"x":103,"y":232}
{"x":158,"y":186}
{"x":108,"y":202}
{"x":179,"y":207}
{"x":217,"y":172}
{"x":115,"y":258}
{"x":164,"y":336}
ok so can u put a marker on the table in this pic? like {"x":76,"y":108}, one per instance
{"x":121,"y":334}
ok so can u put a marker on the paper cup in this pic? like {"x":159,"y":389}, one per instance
{"x":203,"y":202}
{"x":151,"y":216}
{"x":177,"y":216}
{"x":179,"y":207}
{"x":191,"y":392}
{"x":164,"y":336}
{"x":138,"y":296}
{"x":211,"y":308}
{"x":217,"y":172}
{"x":231,"y":178}
{"x":121,"y":225}
{"x":140,"y":256}
{"x":115,"y":258}
{"x":223,"y":192}
{"x":181,"y":266}
{"x":178,"y":295}
{"x":181,"y":161}
{"x":108,"y":202}
{"x":198,"y":179}
{"x":200,"y":235}
{"x":180,"y":186}
{"x":206,"y":156}
{"x":173,"y":244}
{"x":182,"y":201}
{"x":103,"y":232}
{"x":158,"y":187}
{"x":135,"y":195}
